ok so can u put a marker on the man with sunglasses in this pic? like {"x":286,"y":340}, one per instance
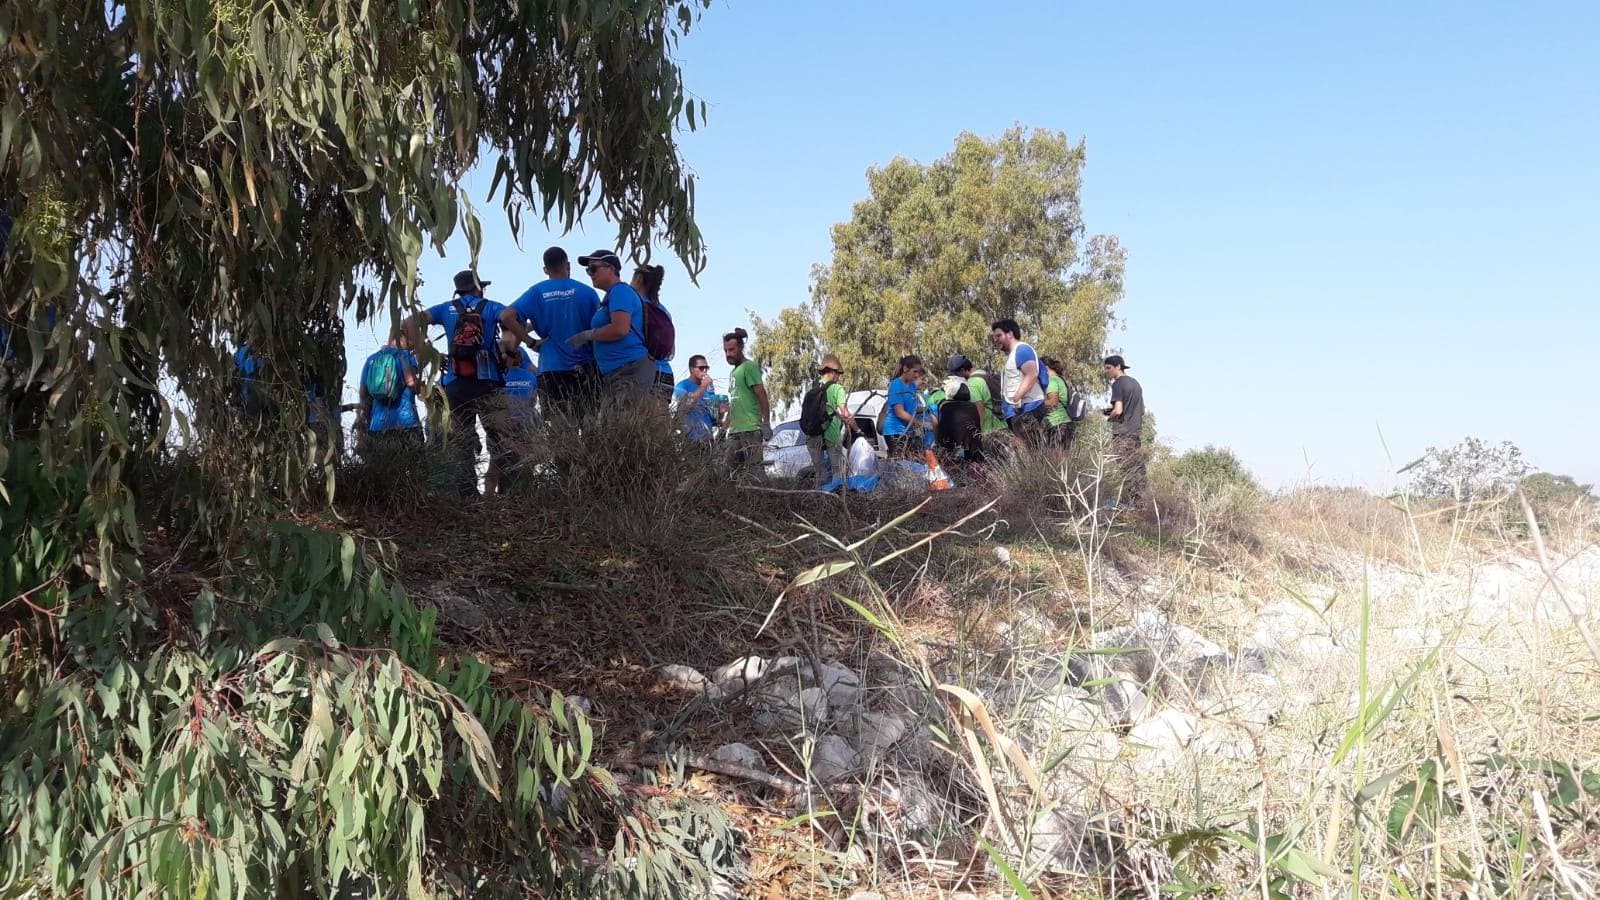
{"x":834,"y":468}
{"x":694,"y":401}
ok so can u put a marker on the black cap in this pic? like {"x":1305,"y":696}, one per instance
{"x":959,"y":362}
{"x":1117,"y":361}
{"x":601,"y":256}
{"x":467,"y":282}
{"x":555,"y":256}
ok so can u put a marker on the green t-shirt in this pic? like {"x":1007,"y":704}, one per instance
{"x":980,"y":395}
{"x":1055,"y":416}
{"x":834,"y":433}
{"x":744,"y":409}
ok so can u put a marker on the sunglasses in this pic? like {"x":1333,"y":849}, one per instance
{"x":701,"y":368}
{"x":826,"y":371}
{"x":595,"y":268}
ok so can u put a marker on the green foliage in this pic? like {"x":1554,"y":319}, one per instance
{"x":189,"y":176}
{"x":225,"y":763}
{"x":1210,"y":472}
{"x":936,"y":252}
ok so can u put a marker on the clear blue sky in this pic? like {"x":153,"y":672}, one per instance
{"x":1339,"y":219}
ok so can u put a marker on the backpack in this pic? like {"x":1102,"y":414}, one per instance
{"x":1077,"y":405}
{"x":385,"y":382}
{"x":814,"y":412}
{"x":468,"y":342}
{"x":660,"y":335}
{"x":992,"y":379}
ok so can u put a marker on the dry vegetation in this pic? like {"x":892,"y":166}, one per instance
{"x":1432,"y":727}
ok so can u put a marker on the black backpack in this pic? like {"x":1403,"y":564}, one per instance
{"x":468,"y":342}
{"x":992,"y":379}
{"x":814,"y":411}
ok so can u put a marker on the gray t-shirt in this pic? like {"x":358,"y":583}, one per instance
{"x":1132,"y":396}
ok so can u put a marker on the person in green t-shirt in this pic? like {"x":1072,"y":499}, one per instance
{"x":749,"y":412}
{"x":825,"y":471}
{"x":1057,"y":421}
{"x":978,"y":387}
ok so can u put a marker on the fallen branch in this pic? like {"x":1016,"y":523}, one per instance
{"x":570,"y":588}
{"x":706,"y":763}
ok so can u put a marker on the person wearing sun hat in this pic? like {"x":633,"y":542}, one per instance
{"x":827,"y":449}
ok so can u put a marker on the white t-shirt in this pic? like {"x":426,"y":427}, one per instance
{"x":1011,"y":380}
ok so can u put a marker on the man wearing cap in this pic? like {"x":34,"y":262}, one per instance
{"x":472,"y":374}
{"x":558,"y":308}
{"x":834,"y":467}
{"x":617,"y":332}
{"x":1126,"y":414}
{"x":978,"y":392}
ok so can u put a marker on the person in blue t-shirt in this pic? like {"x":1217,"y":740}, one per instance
{"x":472,"y":377}
{"x":696,"y":401}
{"x":647,"y":282}
{"x":391,"y":425}
{"x":558,"y":308}
{"x":617,"y":332}
{"x":512,"y":416}
{"x":905,"y":413}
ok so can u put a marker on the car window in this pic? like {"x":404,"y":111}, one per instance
{"x":786,"y":435}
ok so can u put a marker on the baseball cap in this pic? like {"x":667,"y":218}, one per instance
{"x":555,"y":256}
{"x":467,"y":282}
{"x":957,"y":363}
{"x":1117,"y":361}
{"x":601,"y":256}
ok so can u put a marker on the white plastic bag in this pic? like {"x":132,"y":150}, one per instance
{"x":863,"y":466}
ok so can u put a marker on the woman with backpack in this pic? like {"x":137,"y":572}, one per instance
{"x":617,"y":332}
{"x":1059,"y":424}
{"x":647,"y":282}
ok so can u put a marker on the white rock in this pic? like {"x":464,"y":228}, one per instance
{"x":866,"y":895}
{"x":582,"y":704}
{"x":916,"y":806}
{"x":782,"y":707}
{"x":745,"y":668}
{"x":877,"y":732}
{"x":1002,"y":556}
{"x":1124,"y":703}
{"x":842,"y":685}
{"x":833,"y":758}
{"x":1068,"y":842}
{"x":1168,"y":731}
{"x":1250,"y":701}
{"x":741,"y":755}
{"x":688,"y":680}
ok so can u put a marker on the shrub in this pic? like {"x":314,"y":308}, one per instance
{"x":1208,"y":487}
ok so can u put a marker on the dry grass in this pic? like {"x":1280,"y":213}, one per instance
{"x":1482,"y":666}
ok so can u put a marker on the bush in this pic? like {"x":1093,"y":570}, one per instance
{"x":1209,"y":488}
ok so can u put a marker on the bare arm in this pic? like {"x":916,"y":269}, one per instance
{"x":1116,"y":410}
{"x":1030,"y":377}
{"x":616,"y":330}
{"x":760,"y":390}
{"x":414,"y":333}
{"x":846,"y":418}
{"x":514,"y":325}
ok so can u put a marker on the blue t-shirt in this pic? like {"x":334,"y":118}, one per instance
{"x":906,"y":397}
{"x":445,"y":315}
{"x":559,"y":308}
{"x":402,"y":413}
{"x":523,"y":381}
{"x":700,"y":419}
{"x":610,"y":356}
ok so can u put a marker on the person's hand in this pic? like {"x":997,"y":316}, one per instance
{"x":1106,"y":412}
{"x":581,"y":338}
{"x":766,"y":431}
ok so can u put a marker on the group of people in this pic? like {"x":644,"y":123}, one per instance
{"x":606,"y":342}
{"x":1028,"y":397}
{"x":610,"y":342}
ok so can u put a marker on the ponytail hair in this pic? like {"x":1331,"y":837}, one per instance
{"x":906,"y":363}
{"x":651,"y":277}
{"x":739,"y":335}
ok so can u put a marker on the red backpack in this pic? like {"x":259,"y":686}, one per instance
{"x":660,"y":335}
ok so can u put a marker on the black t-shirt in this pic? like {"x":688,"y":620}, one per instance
{"x":1132,"y":396}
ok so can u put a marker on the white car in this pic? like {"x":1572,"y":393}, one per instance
{"x":786,"y":453}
